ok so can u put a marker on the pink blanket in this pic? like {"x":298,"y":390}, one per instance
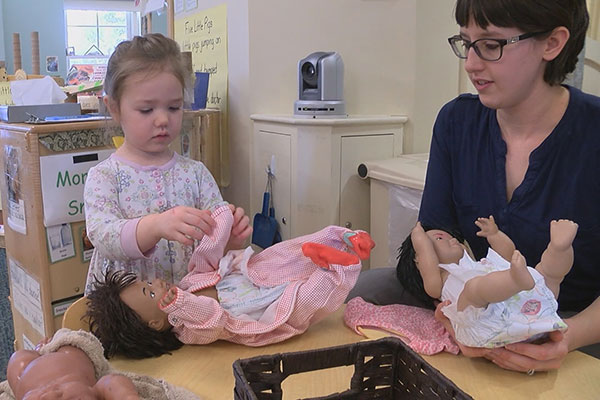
{"x":416,"y":326}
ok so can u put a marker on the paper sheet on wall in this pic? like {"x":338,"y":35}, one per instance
{"x":26,"y":296}
{"x":5,"y":94}
{"x":178,"y":6}
{"x":13,"y":166}
{"x":204,"y":34}
{"x":191,"y":4}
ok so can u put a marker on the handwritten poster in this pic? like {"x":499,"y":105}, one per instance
{"x":204,"y":34}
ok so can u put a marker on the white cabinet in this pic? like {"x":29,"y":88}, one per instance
{"x":315,"y":163}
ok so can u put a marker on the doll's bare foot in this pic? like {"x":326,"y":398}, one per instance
{"x":562,"y":233}
{"x":519,"y":272}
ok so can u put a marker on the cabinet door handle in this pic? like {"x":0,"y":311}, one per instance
{"x":283,"y":220}
{"x":348,"y":224}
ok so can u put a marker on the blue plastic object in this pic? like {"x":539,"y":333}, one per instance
{"x":265,"y":228}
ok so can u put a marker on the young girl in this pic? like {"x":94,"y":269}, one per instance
{"x":260,"y":298}
{"x":497,"y":300}
{"x":146,"y":206}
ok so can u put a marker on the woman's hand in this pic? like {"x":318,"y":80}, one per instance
{"x":240,"y":230}
{"x":465,"y":350}
{"x":526,"y":357}
{"x":522,"y":357}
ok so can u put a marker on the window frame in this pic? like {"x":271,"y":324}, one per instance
{"x":133,"y":17}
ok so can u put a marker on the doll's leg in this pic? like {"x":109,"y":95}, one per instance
{"x":323,"y":255}
{"x":557,"y":259}
{"x":496,"y":286}
{"x":17,"y":363}
{"x":116,"y":387}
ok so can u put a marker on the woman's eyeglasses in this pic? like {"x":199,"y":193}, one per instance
{"x":486,"y":49}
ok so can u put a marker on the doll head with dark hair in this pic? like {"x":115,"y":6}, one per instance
{"x":120,"y":329}
{"x":408,"y":273}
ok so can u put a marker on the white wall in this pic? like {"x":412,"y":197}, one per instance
{"x":436,"y":70}
{"x":395,"y":53}
{"x":239,"y":98}
{"x":396,"y":57}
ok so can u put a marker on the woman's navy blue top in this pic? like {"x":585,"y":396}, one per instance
{"x":466,"y":179}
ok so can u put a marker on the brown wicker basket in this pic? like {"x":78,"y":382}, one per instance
{"x":383,"y":369}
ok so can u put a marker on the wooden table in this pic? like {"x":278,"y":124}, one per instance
{"x":207,"y":370}
{"x":578,"y":377}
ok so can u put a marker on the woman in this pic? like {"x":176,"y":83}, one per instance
{"x":525,"y":150}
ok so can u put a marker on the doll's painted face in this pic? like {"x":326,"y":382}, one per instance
{"x":448,"y":248}
{"x":143,"y":298}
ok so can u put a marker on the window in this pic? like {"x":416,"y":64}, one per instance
{"x":94,"y":32}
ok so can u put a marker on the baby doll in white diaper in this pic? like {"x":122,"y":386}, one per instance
{"x":494,"y":301}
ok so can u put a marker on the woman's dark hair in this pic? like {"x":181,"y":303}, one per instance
{"x":407,"y":272}
{"x":533,"y":16}
{"x":118,"y":327}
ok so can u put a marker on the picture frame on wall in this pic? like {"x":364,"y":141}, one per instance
{"x":52,"y":64}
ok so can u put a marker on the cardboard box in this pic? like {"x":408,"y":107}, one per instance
{"x":21,"y":113}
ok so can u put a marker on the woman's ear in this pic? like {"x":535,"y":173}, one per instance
{"x":112,"y":107}
{"x":555,"y":43}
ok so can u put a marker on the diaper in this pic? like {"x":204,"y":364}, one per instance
{"x":525,"y":316}
{"x":237,"y":294}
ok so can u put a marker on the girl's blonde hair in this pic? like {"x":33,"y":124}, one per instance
{"x":151,"y":54}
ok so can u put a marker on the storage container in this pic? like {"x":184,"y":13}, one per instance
{"x":396,"y":190}
{"x":383,"y":369}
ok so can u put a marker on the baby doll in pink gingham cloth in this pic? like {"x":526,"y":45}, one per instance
{"x":263,"y":298}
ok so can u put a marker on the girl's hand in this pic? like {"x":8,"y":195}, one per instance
{"x":184,"y":224}
{"x":240,"y":230}
{"x":465,"y":350}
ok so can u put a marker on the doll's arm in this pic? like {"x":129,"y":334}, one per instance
{"x":427,"y":261}
{"x":497,"y":239}
{"x":116,"y":387}
{"x":199,"y":319}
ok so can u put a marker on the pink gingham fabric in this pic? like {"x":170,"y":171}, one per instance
{"x":311,"y":294}
{"x":417,"y":326}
